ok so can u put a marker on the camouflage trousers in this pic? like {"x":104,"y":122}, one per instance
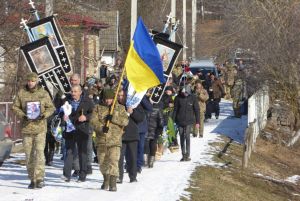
{"x":236,"y":108}
{"x":201,"y":126}
{"x":34,"y":146}
{"x":228,"y":91}
{"x":108,"y":158}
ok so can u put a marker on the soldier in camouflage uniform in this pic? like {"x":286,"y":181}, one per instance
{"x":108,"y":139}
{"x":177,"y":72}
{"x":202,"y":97}
{"x":34,"y":129}
{"x":230,"y":74}
{"x":237,"y":94}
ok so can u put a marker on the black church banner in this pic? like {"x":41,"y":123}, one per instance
{"x":47,"y":27}
{"x":169,"y":52}
{"x":41,"y":58}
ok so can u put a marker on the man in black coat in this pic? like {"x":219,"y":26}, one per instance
{"x":155,"y":129}
{"x":130,"y":140}
{"x":186,"y":114}
{"x":82,"y":108}
{"x":143,"y":129}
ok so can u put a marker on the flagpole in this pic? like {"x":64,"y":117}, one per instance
{"x":116,"y":95}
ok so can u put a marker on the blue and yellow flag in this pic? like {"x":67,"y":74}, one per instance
{"x":143,"y":65}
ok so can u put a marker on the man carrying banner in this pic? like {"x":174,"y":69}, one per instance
{"x":144,"y":70}
{"x":34,"y":127}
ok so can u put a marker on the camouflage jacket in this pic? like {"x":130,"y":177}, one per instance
{"x":20,"y":108}
{"x":237,"y":92}
{"x":119,"y":120}
{"x":218,"y":88}
{"x":177,"y":70}
{"x":202,"y":97}
{"x":230,"y":75}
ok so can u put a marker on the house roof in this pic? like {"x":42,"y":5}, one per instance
{"x":77,"y":20}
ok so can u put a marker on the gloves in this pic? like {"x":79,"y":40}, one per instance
{"x":109,"y":117}
{"x":40,"y":117}
{"x":105,"y":129}
{"x":26,"y":118}
{"x":37,"y":119}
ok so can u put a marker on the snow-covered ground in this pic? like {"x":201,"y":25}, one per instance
{"x":166,"y":181}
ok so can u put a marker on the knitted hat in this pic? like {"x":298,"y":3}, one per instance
{"x":108,"y":94}
{"x":169,"y":88}
{"x":32,"y":77}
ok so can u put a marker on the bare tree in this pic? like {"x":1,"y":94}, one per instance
{"x":271,"y":29}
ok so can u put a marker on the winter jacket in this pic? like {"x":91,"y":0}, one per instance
{"x":202,"y":97}
{"x":167,"y":110}
{"x":155,"y":123}
{"x":85,"y":107}
{"x":147,"y":106}
{"x":186,"y":110}
{"x":166,"y":100}
{"x":218,"y":89}
{"x":103,"y":72}
{"x":131,"y":132}
{"x":119,"y":121}
{"x":39,"y":95}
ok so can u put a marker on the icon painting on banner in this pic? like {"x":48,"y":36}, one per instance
{"x":47,"y":27}
{"x":41,"y":58}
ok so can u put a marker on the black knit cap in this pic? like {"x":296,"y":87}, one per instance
{"x":169,"y":88}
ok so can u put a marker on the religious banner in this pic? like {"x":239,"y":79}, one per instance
{"x":46,"y":27}
{"x":169,"y":52}
{"x":41,"y":58}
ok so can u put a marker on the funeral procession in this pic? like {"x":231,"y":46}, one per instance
{"x":149,"y":100}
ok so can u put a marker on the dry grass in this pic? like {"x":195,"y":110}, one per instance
{"x":231,"y":183}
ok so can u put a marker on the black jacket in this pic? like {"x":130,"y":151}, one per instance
{"x":166,"y":100}
{"x":155,"y":122}
{"x":86,"y":108}
{"x":186,"y":110}
{"x":131,"y":132}
{"x":147,"y":106}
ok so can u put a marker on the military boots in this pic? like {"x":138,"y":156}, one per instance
{"x":113,"y":183}
{"x":105,"y":184}
{"x":31,"y":185}
{"x":40,"y":184}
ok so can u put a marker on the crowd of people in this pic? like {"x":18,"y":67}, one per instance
{"x":127,"y":139}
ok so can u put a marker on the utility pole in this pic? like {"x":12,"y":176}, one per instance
{"x":184,"y":29}
{"x":202,"y":10}
{"x":133,"y":17}
{"x":173,"y":14}
{"x":49,"y":8}
{"x":194,"y":25}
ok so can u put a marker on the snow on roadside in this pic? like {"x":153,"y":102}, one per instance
{"x":293,"y":179}
{"x":166,"y":181}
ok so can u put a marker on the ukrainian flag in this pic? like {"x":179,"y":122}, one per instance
{"x":143,"y":65}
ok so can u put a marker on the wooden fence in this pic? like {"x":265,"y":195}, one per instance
{"x":258,"y":105}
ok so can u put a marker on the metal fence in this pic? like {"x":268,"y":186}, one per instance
{"x":258,"y":105}
{"x":6,"y":110}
